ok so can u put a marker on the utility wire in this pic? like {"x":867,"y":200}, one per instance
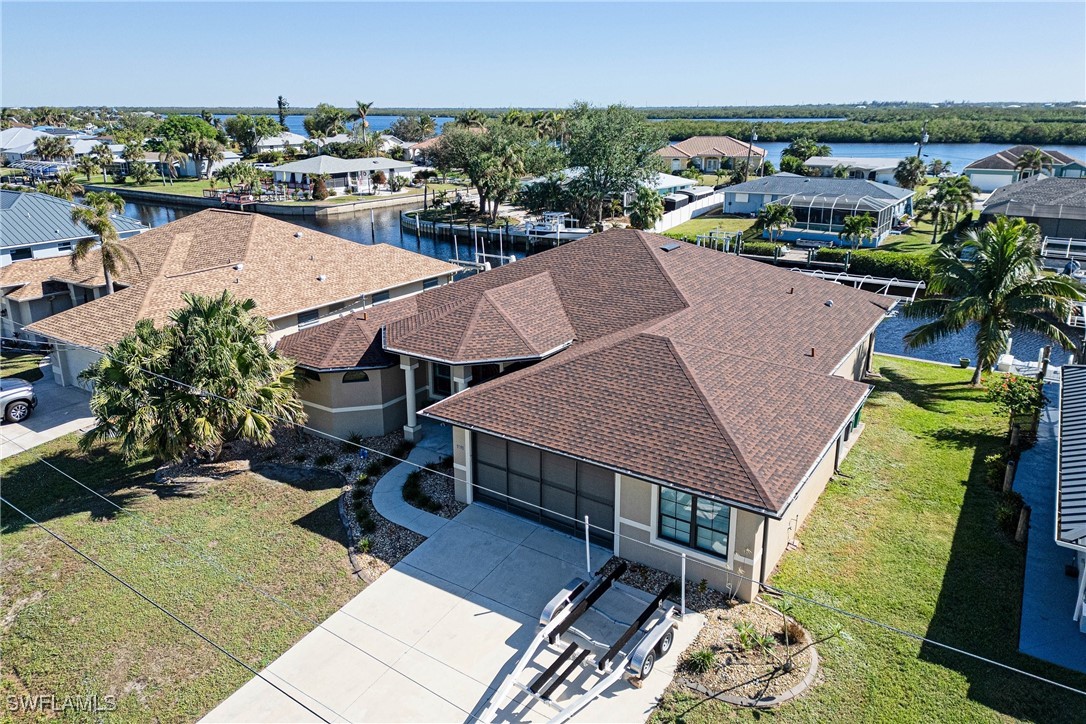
{"x":779,"y":591}
{"x":173,"y":616}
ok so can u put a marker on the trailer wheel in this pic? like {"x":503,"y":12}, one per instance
{"x":646,"y":665}
{"x":664,"y":645}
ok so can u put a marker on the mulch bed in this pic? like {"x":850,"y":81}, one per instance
{"x":744,"y":675}
{"x":441,"y":488}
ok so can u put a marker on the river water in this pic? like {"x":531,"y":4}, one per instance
{"x":296,"y":122}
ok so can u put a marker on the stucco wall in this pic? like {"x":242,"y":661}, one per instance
{"x":68,"y":363}
{"x":373,"y":407}
{"x":854,"y":365}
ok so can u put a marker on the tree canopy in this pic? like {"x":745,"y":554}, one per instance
{"x":178,"y":128}
{"x":188,"y":387}
{"x":248,"y":131}
{"x":326,"y":120}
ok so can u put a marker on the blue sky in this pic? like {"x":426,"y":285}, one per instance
{"x":527,"y":54}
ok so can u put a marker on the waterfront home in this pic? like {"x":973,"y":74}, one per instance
{"x":710,"y":153}
{"x":295,"y":275}
{"x":283,"y":140}
{"x":821,"y":204}
{"x":1057,"y":205}
{"x":1071,"y":482}
{"x":345,"y":175}
{"x":17,"y":144}
{"x":687,"y":401}
{"x":999,"y":169}
{"x":871,"y":169}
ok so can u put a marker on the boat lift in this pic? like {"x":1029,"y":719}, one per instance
{"x":591,"y":628}
{"x":883,"y":284}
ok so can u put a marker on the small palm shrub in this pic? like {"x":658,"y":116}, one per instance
{"x":352,"y":443}
{"x":324,"y":460}
{"x":416,"y":496}
{"x":402,"y":449}
{"x":365,"y":544}
{"x":702,"y":661}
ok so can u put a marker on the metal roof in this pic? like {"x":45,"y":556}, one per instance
{"x":858,"y":162}
{"x":841,"y":201}
{"x":1071,"y":474}
{"x":28,"y":218}
{"x":332,"y":164}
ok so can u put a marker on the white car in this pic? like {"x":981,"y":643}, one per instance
{"x":17,"y":399}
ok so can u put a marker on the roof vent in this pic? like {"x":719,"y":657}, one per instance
{"x":321,"y":278}
{"x":670,"y":246}
{"x":297,"y":235}
{"x":829,"y":302}
{"x":239,"y":266}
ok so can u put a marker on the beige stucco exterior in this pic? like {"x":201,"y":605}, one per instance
{"x":373,"y":407}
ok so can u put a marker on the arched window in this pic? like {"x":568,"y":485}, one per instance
{"x":356,"y":376}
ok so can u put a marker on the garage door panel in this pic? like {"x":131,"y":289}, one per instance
{"x":559,"y":471}
{"x":491,"y":479}
{"x":524,"y":495}
{"x":524,"y":460}
{"x":599,"y":515}
{"x":596,"y":483}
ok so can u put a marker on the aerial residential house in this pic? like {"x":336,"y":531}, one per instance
{"x":1070,"y":529}
{"x":1000,"y":169}
{"x":35,"y":226}
{"x":710,"y":153}
{"x":685,"y":400}
{"x":17,"y":144}
{"x":345,"y":175}
{"x":821,"y":205}
{"x":1056,"y":205}
{"x":283,"y":140}
{"x":870,"y":169}
{"x":296,"y":276}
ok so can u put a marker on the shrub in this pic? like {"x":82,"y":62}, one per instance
{"x":1016,"y":394}
{"x":995,"y":466}
{"x":888,"y":264}
{"x":363,"y":478}
{"x":358,"y":494}
{"x":348,"y":468}
{"x":119,"y":175}
{"x":792,"y":632}
{"x":300,"y":458}
{"x":375,"y":467}
{"x":1008,"y":509}
{"x":364,"y":545}
{"x":703,"y":661}
{"x":352,"y":443}
{"x":324,"y":460}
{"x":445,"y":462}
{"x":365,"y":520}
{"x":761,"y":248}
{"x":320,"y":190}
{"x":402,"y":449}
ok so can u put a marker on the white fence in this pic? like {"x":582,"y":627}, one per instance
{"x":680,"y":216}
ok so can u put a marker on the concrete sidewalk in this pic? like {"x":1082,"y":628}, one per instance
{"x":60,"y":410}
{"x":432,"y":639}
{"x":1047,"y":630}
{"x":387,"y":497}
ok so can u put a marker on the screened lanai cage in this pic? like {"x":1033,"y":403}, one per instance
{"x":827,"y":213}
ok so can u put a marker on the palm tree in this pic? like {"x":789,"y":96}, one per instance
{"x":647,"y":208}
{"x":958,"y":191}
{"x":87,"y":165}
{"x":774,"y":218}
{"x":1032,"y":162}
{"x":64,"y":186}
{"x":96,"y":215}
{"x":427,"y":125}
{"x":1003,"y":288}
{"x":283,"y":105}
{"x":937,"y":209}
{"x":317,"y":137}
{"x":472,"y":118}
{"x":361,"y":111}
{"x":104,"y":156}
{"x":168,"y":154}
{"x":210,"y":150}
{"x":910,"y":172}
{"x":857,"y":229}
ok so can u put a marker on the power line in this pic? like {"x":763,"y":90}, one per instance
{"x":779,"y":591}
{"x":271,"y":597}
{"x":173,"y":616}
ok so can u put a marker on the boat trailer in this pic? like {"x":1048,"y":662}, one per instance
{"x":582,"y":625}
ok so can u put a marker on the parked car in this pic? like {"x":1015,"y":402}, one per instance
{"x":17,"y":399}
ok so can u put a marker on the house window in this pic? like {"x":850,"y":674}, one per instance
{"x":694,"y":521}
{"x":741,"y":198}
{"x":442,"y":380}
{"x":64,"y":246}
{"x":356,"y":376}
{"x":306,"y":374}
{"x":380,"y":297}
{"x":430,"y":283}
{"x":308,"y":317}
{"x":21,"y":254}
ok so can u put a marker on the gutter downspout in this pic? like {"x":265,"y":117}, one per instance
{"x":765,"y":550}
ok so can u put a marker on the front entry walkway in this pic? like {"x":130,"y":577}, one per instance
{"x":432,"y":639}
{"x":1048,"y":599}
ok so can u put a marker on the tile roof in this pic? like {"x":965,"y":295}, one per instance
{"x":283,"y":267}
{"x":28,"y":218}
{"x":1006,"y":160}
{"x":710,"y":146}
{"x":787,"y":184}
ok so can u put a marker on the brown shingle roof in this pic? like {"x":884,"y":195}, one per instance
{"x":353,"y":340}
{"x":710,"y":146}
{"x":277,"y":264}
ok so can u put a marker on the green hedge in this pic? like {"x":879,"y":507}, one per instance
{"x":761,"y":248}
{"x":880,"y":263}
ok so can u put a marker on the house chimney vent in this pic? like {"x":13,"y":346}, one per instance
{"x":297,"y":235}
{"x":321,"y":278}
{"x":239,"y":266}
{"x":829,"y":302}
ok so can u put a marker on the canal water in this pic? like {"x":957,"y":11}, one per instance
{"x":296,"y":122}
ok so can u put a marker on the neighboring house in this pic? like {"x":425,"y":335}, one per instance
{"x":710,"y":153}
{"x":1071,"y":480}
{"x":295,"y":275}
{"x":346,"y":175}
{"x":870,"y":169}
{"x":36,"y":226}
{"x":999,"y":169}
{"x":17,"y":144}
{"x":185,"y":169}
{"x":420,"y":151}
{"x":686,"y":400}
{"x":821,"y":204}
{"x":283,"y":140}
{"x":664,"y":184}
{"x":1057,"y":205}
{"x":84,"y":145}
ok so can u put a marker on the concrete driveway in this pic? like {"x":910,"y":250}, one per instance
{"x":432,"y":639}
{"x":60,"y":410}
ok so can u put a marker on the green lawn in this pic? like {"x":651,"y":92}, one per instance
{"x":180,"y":187}
{"x":906,"y":535}
{"x":712,"y":222}
{"x":69,"y":629}
{"x":21,"y":364}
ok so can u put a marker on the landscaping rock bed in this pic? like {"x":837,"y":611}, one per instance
{"x":439,"y":487}
{"x":749,"y":663}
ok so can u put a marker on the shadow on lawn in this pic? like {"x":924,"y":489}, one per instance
{"x":931,"y":397}
{"x":979,"y":606}
{"x":325,"y":521}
